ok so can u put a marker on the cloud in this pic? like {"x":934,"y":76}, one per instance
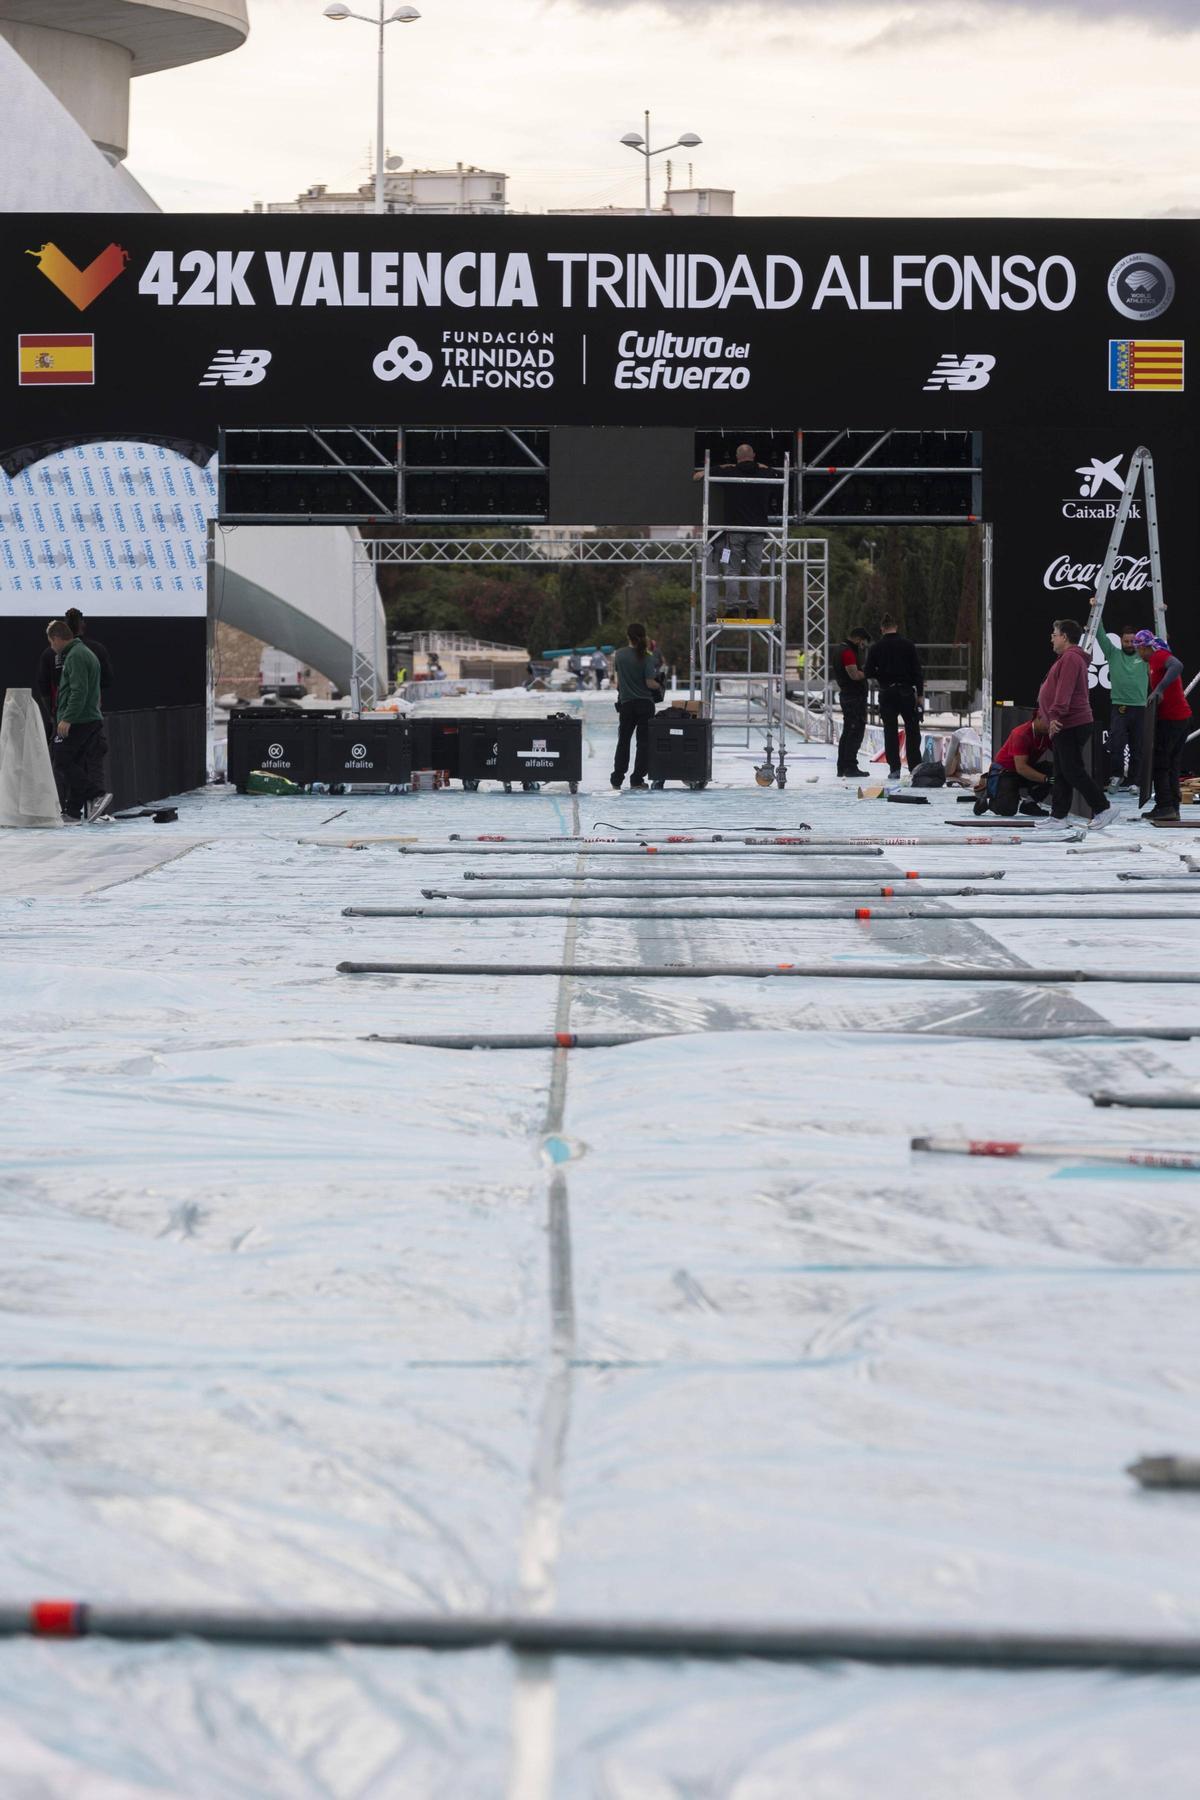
{"x":930,"y":18}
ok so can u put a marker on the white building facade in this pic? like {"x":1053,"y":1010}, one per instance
{"x":426,"y":192}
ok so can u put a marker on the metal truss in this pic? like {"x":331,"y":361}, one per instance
{"x":564,"y":547}
{"x":367,"y":468}
{"x":818,"y":456}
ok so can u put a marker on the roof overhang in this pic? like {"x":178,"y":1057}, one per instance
{"x":159,"y":34}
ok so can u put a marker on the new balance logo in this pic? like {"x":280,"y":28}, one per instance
{"x":237,"y":368}
{"x":961,"y":373}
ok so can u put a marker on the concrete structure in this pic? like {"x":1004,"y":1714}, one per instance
{"x":64,"y":107}
{"x":428,"y":192}
{"x":86,"y":52}
{"x":678,"y":203}
{"x":292,"y":587}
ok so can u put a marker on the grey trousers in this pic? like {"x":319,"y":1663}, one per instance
{"x":746,"y":550}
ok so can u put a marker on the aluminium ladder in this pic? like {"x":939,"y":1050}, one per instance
{"x":1141,"y":465}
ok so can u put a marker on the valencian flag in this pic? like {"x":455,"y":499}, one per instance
{"x":56,"y":359}
{"x":1152,"y":363}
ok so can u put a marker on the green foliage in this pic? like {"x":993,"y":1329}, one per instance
{"x":928,"y":576}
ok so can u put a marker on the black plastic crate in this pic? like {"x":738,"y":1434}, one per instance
{"x":680,"y":748}
{"x":364,"y":750}
{"x":435,"y":744}
{"x":280,"y":744}
{"x":525,"y":751}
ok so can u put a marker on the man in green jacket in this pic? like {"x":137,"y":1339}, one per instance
{"x":79,"y":741}
{"x":1127,"y":673}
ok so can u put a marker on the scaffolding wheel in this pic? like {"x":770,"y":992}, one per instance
{"x":781,"y":777}
{"x":574,"y":786}
{"x":697,"y":786}
{"x":658,"y":784}
{"x":508,"y":787}
{"x":471,"y":787}
{"x":531,"y":787}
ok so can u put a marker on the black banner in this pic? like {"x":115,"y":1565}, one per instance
{"x":172,"y":325}
{"x":1052,"y":497}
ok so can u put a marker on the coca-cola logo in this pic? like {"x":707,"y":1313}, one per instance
{"x":1131,"y":575}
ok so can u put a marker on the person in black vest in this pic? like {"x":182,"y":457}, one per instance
{"x":894,"y":665}
{"x":852,"y":695}
{"x":50,"y":664}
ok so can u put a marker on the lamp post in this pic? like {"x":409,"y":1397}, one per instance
{"x":403,"y":15}
{"x":636,"y":141}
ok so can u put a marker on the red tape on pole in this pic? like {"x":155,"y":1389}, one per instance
{"x":56,"y":1618}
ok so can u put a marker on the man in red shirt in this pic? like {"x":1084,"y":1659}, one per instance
{"x":1171,"y":716}
{"x":1018,"y":775}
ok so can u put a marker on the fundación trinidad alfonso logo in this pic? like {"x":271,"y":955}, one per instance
{"x":81,"y":286}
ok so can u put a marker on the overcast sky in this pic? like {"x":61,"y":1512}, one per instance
{"x":1072,"y":107}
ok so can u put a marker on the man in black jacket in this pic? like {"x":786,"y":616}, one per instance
{"x":893,"y":664}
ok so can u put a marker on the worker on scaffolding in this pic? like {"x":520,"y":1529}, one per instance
{"x":737,"y":552}
{"x":852,"y":697}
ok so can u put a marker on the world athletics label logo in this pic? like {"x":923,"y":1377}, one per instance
{"x":1141,"y":286}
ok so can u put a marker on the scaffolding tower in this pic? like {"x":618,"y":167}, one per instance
{"x":742,"y":626}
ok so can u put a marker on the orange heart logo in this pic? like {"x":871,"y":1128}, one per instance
{"x":81,"y":286}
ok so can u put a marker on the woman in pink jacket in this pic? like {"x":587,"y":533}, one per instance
{"x":1064,"y":704}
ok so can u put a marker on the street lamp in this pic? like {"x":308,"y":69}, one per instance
{"x":403,"y":15}
{"x":636,"y":141}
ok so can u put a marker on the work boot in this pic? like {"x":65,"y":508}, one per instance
{"x":1162,"y":815}
{"x":615,"y":780}
{"x":1032,"y":810}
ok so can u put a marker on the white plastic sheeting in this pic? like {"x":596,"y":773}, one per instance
{"x":278,"y":1325}
{"x":28,"y":795}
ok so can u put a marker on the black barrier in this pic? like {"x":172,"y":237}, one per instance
{"x":364,"y":750}
{"x":435,"y":744}
{"x":275,"y":743}
{"x":680,"y":748}
{"x":155,"y":752}
{"x":955,"y":324}
{"x":327,"y":748}
{"x":524,"y":752}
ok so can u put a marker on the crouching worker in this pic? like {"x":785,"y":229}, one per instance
{"x":1019,"y":774}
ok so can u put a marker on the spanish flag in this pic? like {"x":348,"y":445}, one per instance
{"x":56,"y":359}
{"x":1145,"y":363}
